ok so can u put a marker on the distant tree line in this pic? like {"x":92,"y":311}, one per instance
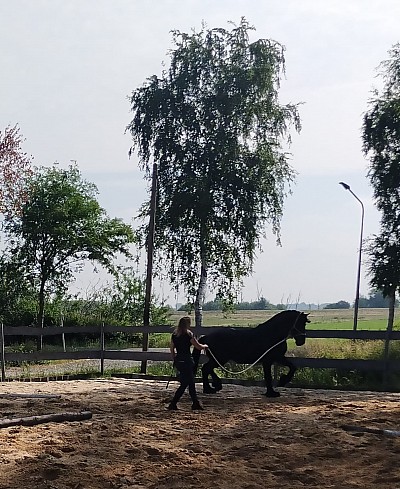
{"x":217,"y":304}
{"x":376,"y":299}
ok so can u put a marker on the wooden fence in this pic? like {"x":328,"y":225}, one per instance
{"x":385,"y":365}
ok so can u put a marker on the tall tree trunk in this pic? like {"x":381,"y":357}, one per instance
{"x":201,"y":292}
{"x":392,"y":305}
{"x":149,"y":272}
{"x":41,"y":315}
{"x":389,"y":329}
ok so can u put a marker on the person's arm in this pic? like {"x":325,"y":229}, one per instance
{"x":198,"y":345}
{"x":172,"y":350}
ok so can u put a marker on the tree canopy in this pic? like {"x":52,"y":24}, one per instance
{"x":381,"y":143}
{"x":61,"y":224}
{"x":338,"y":305}
{"x":15,"y":167}
{"x":381,"y":140}
{"x":214,"y":124}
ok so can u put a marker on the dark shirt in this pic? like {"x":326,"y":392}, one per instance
{"x":182,"y":344}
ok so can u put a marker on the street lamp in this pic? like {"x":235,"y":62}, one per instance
{"x":356,"y":302}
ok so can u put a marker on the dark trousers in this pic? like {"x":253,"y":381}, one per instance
{"x":186,"y":378}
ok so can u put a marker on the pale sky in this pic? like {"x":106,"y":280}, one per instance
{"x":68,"y":67}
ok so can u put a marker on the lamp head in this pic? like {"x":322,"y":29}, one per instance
{"x":344,"y":185}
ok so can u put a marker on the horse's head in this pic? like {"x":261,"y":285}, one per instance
{"x":298,"y":330}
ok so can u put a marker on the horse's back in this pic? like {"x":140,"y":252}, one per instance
{"x":241,"y":345}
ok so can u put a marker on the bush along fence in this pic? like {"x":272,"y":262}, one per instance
{"x":385,"y":366}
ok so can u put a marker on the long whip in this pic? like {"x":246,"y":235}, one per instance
{"x":172,"y":374}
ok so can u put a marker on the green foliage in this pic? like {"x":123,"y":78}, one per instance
{"x":16,"y":294}
{"x":384,"y":261}
{"x":215,"y":305}
{"x":220,"y":305}
{"x":215,"y":127}
{"x":375,"y":300}
{"x":338,"y":305}
{"x":259,"y":305}
{"x":120,"y":303}
{"x":381,"y":143}
{"x":62,"y":225}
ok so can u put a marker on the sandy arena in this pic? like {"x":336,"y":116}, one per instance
{"x":241,"y":440}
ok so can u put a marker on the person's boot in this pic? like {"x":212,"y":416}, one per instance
{"x":196,"y":406}
{"x":172,"y":406}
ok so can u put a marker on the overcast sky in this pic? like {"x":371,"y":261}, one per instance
{"x":68,"y":66}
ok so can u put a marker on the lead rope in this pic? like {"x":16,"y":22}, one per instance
{"x":262,"y":356}
{"x":250,"y":366}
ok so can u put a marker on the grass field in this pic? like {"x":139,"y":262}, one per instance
{"x":372,"y":319}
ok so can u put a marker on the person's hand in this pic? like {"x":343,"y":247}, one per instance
{"x":205,"y":347}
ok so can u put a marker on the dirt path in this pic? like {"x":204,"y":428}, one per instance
{"x":241,"y":440}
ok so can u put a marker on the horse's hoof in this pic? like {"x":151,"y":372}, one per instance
{"x":272,"y":394}
{"x":209,"y":390}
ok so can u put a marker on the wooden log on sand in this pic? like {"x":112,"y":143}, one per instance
{"x":375,"y":431}
{"x":30,"y":396}
{"x":45,"y":418}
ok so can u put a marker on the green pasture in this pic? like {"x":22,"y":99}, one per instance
{"x":368,"y":319}
{"x":372,"y":325}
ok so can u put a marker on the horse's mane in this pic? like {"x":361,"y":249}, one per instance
{"x":283,"y":317}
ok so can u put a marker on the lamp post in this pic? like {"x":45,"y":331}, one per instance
{"x":357,"y":300}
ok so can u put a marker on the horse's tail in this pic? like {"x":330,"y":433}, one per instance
{"x":196,"y":357}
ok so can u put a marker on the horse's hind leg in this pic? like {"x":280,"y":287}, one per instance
{"x":207,"y":370}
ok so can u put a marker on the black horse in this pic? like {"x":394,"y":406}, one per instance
{"x":265,"y":344}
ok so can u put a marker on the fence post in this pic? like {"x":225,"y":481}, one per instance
{"x":102,"y":348}
{"x":2,"y":353}
{"x":385,"y":377}
{"x":63,"y":334}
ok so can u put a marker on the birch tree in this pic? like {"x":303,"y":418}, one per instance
{"x":214,"y":125}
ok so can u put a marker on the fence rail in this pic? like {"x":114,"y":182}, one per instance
{"x":386,"y":365}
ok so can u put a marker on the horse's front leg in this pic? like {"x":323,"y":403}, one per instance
{"x":268,"y":380}
{"x":206,"y":370}
{"x":286,"y":378}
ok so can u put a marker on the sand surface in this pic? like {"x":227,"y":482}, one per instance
{"x":241,"y":440}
